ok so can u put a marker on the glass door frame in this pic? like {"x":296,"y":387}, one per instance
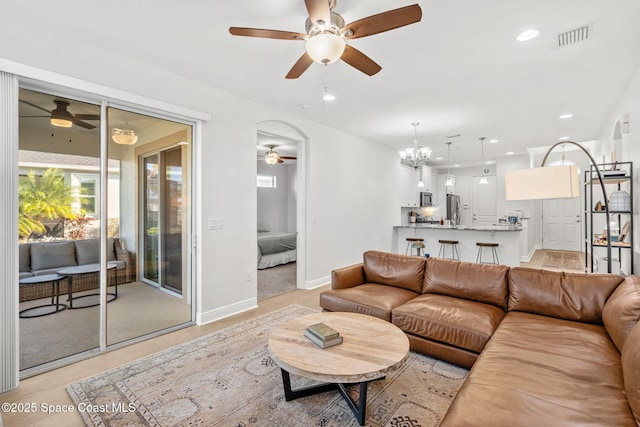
{"x":61,"y":86}
{"x":142,"y":156}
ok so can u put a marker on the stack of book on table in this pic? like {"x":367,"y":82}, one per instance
{"x":322,"y":335}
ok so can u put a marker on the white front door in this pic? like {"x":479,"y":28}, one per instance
{"x":561,"y":224}
{"x":484,"y":201}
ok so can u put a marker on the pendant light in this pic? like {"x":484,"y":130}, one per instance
{"x":449,"y":181}
{"x":483,"y":179}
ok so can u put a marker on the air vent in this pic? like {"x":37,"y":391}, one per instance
{"x":576,"y":35}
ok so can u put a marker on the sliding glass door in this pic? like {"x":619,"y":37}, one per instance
{"x":104,"y":226}
{"x":154,"y":217}
{"x":60,"y":227}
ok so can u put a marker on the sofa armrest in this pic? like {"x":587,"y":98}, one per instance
{"x":347,"y":277}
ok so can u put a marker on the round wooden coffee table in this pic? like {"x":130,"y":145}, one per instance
{"x":370,"y":349}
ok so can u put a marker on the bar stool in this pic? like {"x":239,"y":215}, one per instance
{"x":454,"y":249}
{"x":494,"y":252}
{"x":414,"y":243}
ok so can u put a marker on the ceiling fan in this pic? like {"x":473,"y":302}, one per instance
{"x":272,"y":157}
{"x":61,"y":117}
{"x":326,"y":33}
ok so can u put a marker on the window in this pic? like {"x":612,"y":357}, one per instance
{"x":266,"y":181}
{"x":88,"y":194}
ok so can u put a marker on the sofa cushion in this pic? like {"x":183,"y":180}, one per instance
{"x":52,"y":255}
{"x":543,"y":371}
{"x":622,"y":311}
{"x":24,"y":255}
{"x":477,"y":282}
{"x":631,"y":371}
{"x":571,"y":296}
{"x":372,"y":299}
{"x":88,"y":251}
{"x":453,"y":321}
{"x":402,"y":271}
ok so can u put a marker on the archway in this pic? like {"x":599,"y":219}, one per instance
{"x":289,"y":132}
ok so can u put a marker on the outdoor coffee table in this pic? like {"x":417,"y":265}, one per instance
{"x":55,"y":295}
{"x":371,"y":348}
{"x":71,"y":272}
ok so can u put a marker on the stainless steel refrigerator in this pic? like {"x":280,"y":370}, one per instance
{"x":453,"y":208}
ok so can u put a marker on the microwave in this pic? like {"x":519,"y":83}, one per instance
{"x":426,"y":199}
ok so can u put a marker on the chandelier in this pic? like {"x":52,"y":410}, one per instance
{"x":417,"y":155}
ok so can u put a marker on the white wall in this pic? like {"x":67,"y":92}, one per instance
{"x":349,"y":210}
{"x":274,"y":213}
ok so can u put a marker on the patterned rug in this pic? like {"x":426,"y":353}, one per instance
{"x":562,"y":260}
{"x":227,"y":378}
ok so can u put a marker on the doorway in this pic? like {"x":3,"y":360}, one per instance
{"x":277,"y":220}
{"x":561,"y":224}
{"x":484,"y":201}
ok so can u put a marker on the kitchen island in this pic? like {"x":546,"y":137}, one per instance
{"x":507,"y":236}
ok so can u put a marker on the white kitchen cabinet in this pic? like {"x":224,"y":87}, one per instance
{"x":409,"y":192}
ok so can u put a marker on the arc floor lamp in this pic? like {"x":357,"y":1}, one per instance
{"x":554,"y":182}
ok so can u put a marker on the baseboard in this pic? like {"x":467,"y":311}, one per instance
{"x":226,"y":311}
{"x":527,"y":258}
{"x":312,"y":284}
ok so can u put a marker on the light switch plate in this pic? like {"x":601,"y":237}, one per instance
{"x":215,"y":224}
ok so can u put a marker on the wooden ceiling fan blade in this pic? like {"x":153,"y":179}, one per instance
{"x":266,"y":34}
{"x":300,"y":66}
{"x":288,"y":157}
{"x":87,"y":116}
{"x":83,"y":124}
{"x":382,"y":22}
{"x":318,"y":10}
{"x":360,"y":61}
{"x":35,"y":106}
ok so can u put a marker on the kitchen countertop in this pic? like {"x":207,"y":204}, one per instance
{"x":463,"y":227}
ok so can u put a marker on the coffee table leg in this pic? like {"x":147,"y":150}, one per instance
{"x":359,"y":409}
{"x":290,"y":394}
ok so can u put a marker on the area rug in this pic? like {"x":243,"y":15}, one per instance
{"x":562,"y":260}
{"x":227,"y":378}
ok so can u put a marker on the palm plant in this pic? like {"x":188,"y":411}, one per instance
{"x":43,"y":197}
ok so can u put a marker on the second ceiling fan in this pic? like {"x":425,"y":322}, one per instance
{"x":326,"y":33}
{"x":272,"y":157}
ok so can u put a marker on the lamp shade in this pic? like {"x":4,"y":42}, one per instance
{"x":553,"y":182}
{"x":325,"y":48}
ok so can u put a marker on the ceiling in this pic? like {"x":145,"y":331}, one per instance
{"x":458,"y":71}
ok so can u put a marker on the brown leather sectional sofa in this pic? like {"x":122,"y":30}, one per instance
{"x":545,"y":348}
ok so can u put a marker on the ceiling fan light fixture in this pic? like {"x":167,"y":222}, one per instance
{"x":124,"y":136}
{"x":271,"y":158}
{"x":325,"y":48}
{"x":60,"y":117}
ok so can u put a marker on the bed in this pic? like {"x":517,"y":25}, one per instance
{"x":275,"y":248}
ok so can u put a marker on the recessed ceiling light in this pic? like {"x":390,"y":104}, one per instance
{"x":456,"y":166}
{"x":526,"y":35}
{"x":490,"y":162}
{"x":566,"y":116}
{"x":328,"y":97}
{"x":493,"y":141}
{"x":438,"y":158}
{"x":510,"y":153}
{"x":564,"y":138}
